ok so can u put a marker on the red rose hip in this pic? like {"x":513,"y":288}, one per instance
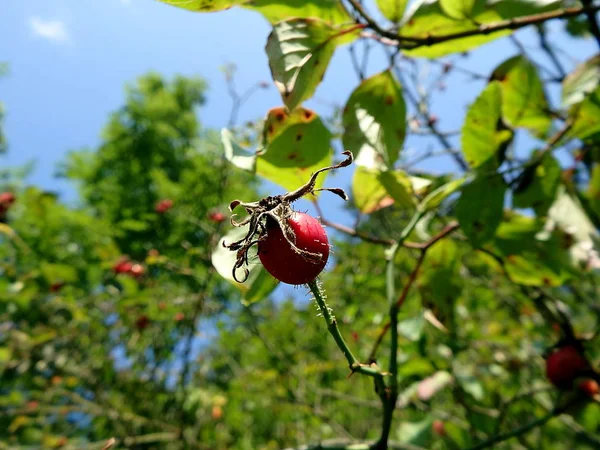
{"x":283,"y":262}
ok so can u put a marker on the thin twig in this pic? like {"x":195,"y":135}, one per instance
{"x":550,"y":51}
{"x":592,"y":21}
{"x":518,"y":431}
{"x":411,"y":279}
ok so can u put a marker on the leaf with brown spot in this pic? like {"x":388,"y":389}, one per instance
{"x":299,"y":51}
{"x":375,"y":119}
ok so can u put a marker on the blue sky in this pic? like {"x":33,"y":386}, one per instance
{"x":69,"y":61}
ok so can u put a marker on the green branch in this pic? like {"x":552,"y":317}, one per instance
{"x":334,"y":330}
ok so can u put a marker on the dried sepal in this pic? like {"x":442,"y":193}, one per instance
{"x":277,"y":210}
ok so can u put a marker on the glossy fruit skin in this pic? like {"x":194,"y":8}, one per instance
{"x":589,"y":387}
{"x":281,"y":261}
{"x":564,"y":365}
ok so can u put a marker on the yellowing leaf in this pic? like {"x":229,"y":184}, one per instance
{"x":294,"y":146}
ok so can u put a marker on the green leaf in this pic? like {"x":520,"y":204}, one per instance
{"x":471,"y":385}
{"x":261,"y":286}
{"x":374,"y":189}
{"x":299,"y":51}
{"x":581,"y":82}
{"x":440,"y":282}
{"x":204,"y":5}
{"x":480,"y":208}
{"x":538,"y":185}
{"x":236,"y":154}
{"x":294,"y":146}
{"x":524,"y":102}
{"x":375,"y":118}
{"x":54,"y":273}
{"x":259,"y":283}
{"x":436,"y":197}
{"x":433,"y":384}
{"x":392,"y":9}
{"x":568,"y":213}
{"x":458,"y":9}
{"x":593,"y":191}
{"x":586,"y":117}
{"x":483,"y":138}
{"x":412,"y":328}
{"x":415,"y":433}
{"x":330,"y":11}
{"x":427,"y":18}
{"x":532,"y":257}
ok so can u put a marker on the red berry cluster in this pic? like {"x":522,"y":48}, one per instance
{"x":125,"y":266}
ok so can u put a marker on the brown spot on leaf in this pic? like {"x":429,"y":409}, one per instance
{"x":280,"y":116}
{"x":270,"y":129}
{"x":308,"y":114}
{"x":299,"y":137}
{"x":546,"y":281}
{"x":292,"y":156}
{"x":389,"y":100}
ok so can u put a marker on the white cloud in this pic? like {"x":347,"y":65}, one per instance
{"x":53,"y":30}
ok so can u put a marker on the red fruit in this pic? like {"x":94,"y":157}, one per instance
{"x":216,"y":217}
{"x":163,"y":206}
{"x":55,"y":287}
{"x":564,"y":365}
{"x":438,"y":428}
{"x":137,"y":270}
{"x":589,"y":387}
{"x":7,"y":199}
{"x":280,"y":259}
{"x":123,"y":265}
{"x":355,"y":336}
{"x":142,"y":322}
{"x":32,"y":404}
{"x":179,"y":317}
{"x":217,"y":412}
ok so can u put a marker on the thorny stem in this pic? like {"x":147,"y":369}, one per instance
{"x":334,"y":330}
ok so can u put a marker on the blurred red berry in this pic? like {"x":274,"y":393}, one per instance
{"x":216,"y":217}
{"x":142,"y":322}
{"x":123,"y":265}
{"x":564,"y":365}
{"x":438,"y":428}
{"x":55,"y":287}
{"x":355,"y":336}
{"x":153,"y":252}
{"x":179,"y":317}
{"x":7,"y":198}
{"x":137,"y":270}
{"x":589,"y":387}
{"x":163,"y":206}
